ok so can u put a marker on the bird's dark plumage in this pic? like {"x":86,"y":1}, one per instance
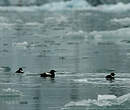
{"x":20,"y":70}
{"x":110,"y":77}
{"x":50,"y":74}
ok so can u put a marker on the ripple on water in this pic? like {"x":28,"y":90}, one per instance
{"x":125,"y":41}
{"x":5,"y":69}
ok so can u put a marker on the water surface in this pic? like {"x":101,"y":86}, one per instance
{"x":81,"y":45}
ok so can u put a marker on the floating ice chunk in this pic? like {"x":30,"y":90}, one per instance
{"x":58,"y":19}
{"x":106,"y":100}
{"x":24,"y":2}
{"x":120,"y":35}
{"x":123,"y":98}
{"x":33,"y":23}
{"x":84,"y":80}
{"x":122,"y":21}
{"x":106,"y":97}
{"x":119,"y":7}
{"x":75,"y":36}
{"x":80,"y":103}
{"x":10,"y":93}
{"x":102,"y":100}
{"x":68,"y":5}
{"x":73,"y":4}
{"x":21,"y":44}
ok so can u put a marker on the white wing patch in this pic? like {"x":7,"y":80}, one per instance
{"x":48,"y":74}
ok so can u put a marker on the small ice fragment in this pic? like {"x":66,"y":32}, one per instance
{"x":106,"y":97}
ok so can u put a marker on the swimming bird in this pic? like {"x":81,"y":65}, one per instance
{"x":110,"y":77}
{"x":50,"y":74}
{"x":20,"y":70}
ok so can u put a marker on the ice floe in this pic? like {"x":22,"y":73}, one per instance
{"x":9,"y":92}
{"x":102,"y":100}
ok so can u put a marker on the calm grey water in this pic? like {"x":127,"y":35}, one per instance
{"x":81,"y":45}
